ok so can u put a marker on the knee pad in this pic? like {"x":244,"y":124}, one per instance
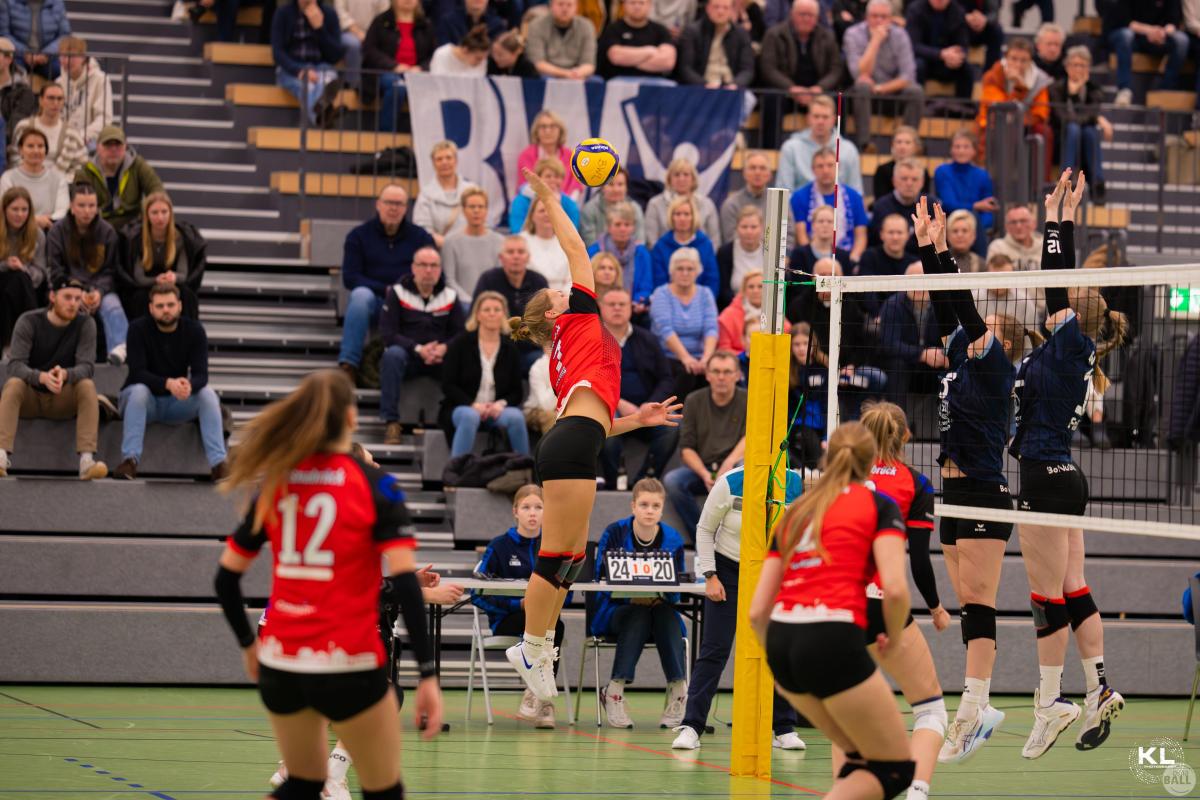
{"x":1080,"y":606}
{"x":1049,"y":614}
{"x":573,"y":570}
{"x":930,"y":715}
{"x":394,"y":793}
{"x":978,"y":622}
{"x":299,"y":789}
{"x":553,"y":567}
{"x":895,"y":776}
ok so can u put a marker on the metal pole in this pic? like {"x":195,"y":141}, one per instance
{"x":774,"y":260}
{"x":835,"y":347}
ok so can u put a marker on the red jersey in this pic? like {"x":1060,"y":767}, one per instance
{"x":833,"y":588}
{"x":584,"y":353}
{"x":913,"y":495}
{"x":334,"y":519}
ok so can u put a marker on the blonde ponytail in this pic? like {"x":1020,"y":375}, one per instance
{"x":889,"y":427}
{"x":532,"y":326}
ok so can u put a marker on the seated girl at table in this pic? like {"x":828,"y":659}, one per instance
{"x":510,"y":556}
{"x":634,"y":622}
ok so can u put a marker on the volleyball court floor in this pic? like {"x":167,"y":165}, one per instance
{"x":95,"y":743}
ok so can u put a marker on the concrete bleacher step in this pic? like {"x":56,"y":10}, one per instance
{"x":318,"y":141}
{"x":278,"y":285}
{"x":274,"y":335}
{"x":333,"y":185}
{"x":267,"y":96}
{"x":48,"y":446}
{"x":238,"y":54}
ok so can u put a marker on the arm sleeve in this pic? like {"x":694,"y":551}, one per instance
{"x":1052,"y":258}
{"x":198,"y":363}
{"x":279,"y":37}
{"x":660,"y":314}
{"x":404,"y":590}
{"x":688,"y":435}
{"x":389,"y":323}
{"x":535,"y":46}
{"x":854,"y":45}
{"x":710,"y":315}
{"x":716,"y":506}
{"x":687,"y":57}
{"x":771,"y":70}
{"x":455,"y":393}
{"x":888,"y":520}
{"x":352,"y":265}
{"x":904,"y":56}
{"x":919,"y":529}
{"x":244,"y":540}
{"x":139,"y":370}
{"x":964,"y":303}
{"x":18,"y":354}
{"x":582,"y":300}
{"x":943,"y":307}
{"x":85,"y":353}
{"x":228,"y":586}
{"x":643,"y":274}
{"x":393,"y":525}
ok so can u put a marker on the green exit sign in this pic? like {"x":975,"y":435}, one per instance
{"x":1184,"y":301}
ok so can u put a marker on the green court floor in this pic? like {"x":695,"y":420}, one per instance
{"x":214,"y":744}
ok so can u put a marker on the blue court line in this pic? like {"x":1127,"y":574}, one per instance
{"x":97,"y":771}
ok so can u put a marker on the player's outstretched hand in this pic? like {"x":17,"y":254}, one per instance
{"x":665,"y":413}
{"x":429,"y":707}
{"x":1055,"y":198}
{"x":1073,"y":198}
{"x":937,"y":228}
{"x":921,"y":222}
{"x":539,"y":187}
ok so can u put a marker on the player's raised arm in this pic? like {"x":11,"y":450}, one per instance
{"x":568,"y":237}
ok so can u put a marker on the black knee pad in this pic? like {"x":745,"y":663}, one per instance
{"x":553,"y":567}
{"x":1049,"y":617}
{"x":299,"y":789}
{"x":978,"y":622}
{"x":394,"y":793}
{"x":895,"y":776}
{"x":573,"y":570}
{"x":1080,"y":606}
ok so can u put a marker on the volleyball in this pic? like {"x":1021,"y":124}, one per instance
{"x":594,"y":162}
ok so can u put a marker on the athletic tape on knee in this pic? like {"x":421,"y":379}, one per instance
{"x":895,"y":776}
{"x":1080,"y":606}
{"x":1049,"y":614}
{"x":573,"y":570}
{"x":394,"y":793}
{"x":930,"y":715}
{"x":298,"y":789}
{"x":553,"y":567}
{"x":978,"y":622}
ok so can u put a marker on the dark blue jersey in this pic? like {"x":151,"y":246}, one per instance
{"x":1051,"y":389}
{"x":973,"y":416}
{"x":812,"y":381}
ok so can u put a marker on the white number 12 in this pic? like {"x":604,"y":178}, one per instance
{"x":321,"y":507}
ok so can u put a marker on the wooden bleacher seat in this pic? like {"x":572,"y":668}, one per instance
{"x":44,"y":445}
{"x":250,"y":17}
{"x":1107,"y":217}
{"x":1171,"y":100}
{"x":870,"y":162}
{"x":977,"y":55}
{"x":324,"y":184}
{"x":740,"y":155}
{"x":1144,"y":62}
{"x":268,"y":96}
{"x":1087,"y":26}
{"x":241,"y":55}
{"x":364,"y":142}
{"x":930,"y":128}
{"x":944,"y":89}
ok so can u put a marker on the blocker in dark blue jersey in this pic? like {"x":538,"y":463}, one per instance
{"x":976,"y":400}
{"x":1051,"y":389}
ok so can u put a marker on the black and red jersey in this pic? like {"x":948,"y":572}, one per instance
{"x":333,"y":520}
{"x":829,"y":585}
{"x":584,"y":353}
{"x":913,"y":495}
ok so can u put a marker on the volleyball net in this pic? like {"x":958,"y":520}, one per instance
{"x":875,"y":337}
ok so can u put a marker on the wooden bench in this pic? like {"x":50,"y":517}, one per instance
{"x":1144,"y":62}
{"x":871,"y":162}
{"x":250,"y":17}
{"x":944,"y":89}
{"x":365,"y":142}
{"x":1171,"y":100}
{"x":1106,"y":217}
{"x":1087,"y":26}
{"x":739,"y":158}
{"x":324,"y":184}
{"x":240,"y":55}
{"x":266,"y":96}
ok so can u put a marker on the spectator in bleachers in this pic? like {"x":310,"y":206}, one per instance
{"x":675,"y":15}
{"x":1045,"y":8}
{"x":1021,"y":243}
{"x":1132,"y":27}
{"x":512,"y":279}
{"x":50,"y":369}
{"x":800,"y":56}
{"x":545,"y":253}
{"x":857,"y":352}
{"x":462,"y":16}
{"x":439,"y":206}
{"x":807,"y":379}
{"x":541,"y":406}
{"x":961,"y":234}
{"x":354,"y":18}
{"x":636,"y":47}
{"x":820,"y":245}
{"x":848,"y":205}
{"x":748,"y":15}
{"x":607,"y":273}
{"x":1018,"y":303}
{"x":879,"y":55}
{"x":746,"y":305}
{"x":473,"y":250}
{"x":638,"y":621}
{"x":508,"y":57}
{"x":420,"y":316}
{"x":712,"y":437}
{"x":399,"y":41}
{"x":902,"y":200}
{"x":481,"y":380}
{"x":84,"y":247}
{"x":227,"y":12}
{"x":683,"y":316}
{"x":555,"y":175}
{"x":685,"y":232}
{"x":637,"y":266}
{"x":377,"y":254}
{"x":168,"y":382}
{"x":548,"y":142}
{"x":23,"y":273}
{"x":17,"y":100}
{"x":940,"y":38}
{"x":795,"y":157}
{"x":306,"y":43}
{"x":47,"y":186}
{"x":645,"y":378}
{"x":36,"y":40}
{"x":845,"y":14}
{"x":963,"y":185}
{"x":65,"y":146}
{"x":511,"y":557}
{"x":1078,"y":125}
{"x":121,"y":178}
{"x":88,"y":91}
{"x":1016,"y":79}
{"x":737,"y":258}
{"x":160,"y":249}
{"x":889,"y":257}
{"x":910,"y":344}
{"x":594,"y":217}
{"x":467,"y":58}
{"x":906,"y":143}
{"x":756,"y":172}
{"x":563,"y":43}
{"x":1048,"y":50}
{"x":983,"y":18}
{"x":682,"y":181}
{"x":728,"y":66}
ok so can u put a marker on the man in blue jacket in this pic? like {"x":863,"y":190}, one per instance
{"x":912,"y":350}
{"x":635,"y":622}
{"x":35,"y":45}
{"x":306,"y":42}
{"x":377,"y":254}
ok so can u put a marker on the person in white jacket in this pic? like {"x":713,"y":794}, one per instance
{"x":87,"y":88}
{"x":354,"y":17}
{"x":439,"y":205}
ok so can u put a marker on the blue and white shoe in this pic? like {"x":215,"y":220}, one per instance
{"x":1048,"y":723}
{"x":966,"y":736}
{"x":538,"y":674}
{"x":1100,"y":709}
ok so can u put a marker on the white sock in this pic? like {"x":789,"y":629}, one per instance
{"x":87,"y":459}
{"x":616,"y":688}
{"x":533,"y":646}
{"x":339,"y":763}
{"x":974,"y":698}
{"x":987,"y":692}
{"x":550,"y":640}
{"x":918,"y":791}
{"x":1051,"y":684}
{"x":1093,"y":672}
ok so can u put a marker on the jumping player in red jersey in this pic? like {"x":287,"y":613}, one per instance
{"x":585,"y":372}
{"x":329,"y":517}
{"x":810,"y":611}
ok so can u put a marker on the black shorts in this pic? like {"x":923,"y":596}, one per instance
{"x":334,"y":695}
{"x":1053,"y":488}
{"x":875,"y":624}
{"x":978,"y":494}
{"x":569,"y":451}
{"x":818,"y":658}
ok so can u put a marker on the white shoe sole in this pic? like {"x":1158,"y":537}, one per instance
{"x":1065,"y":722}
{"x":516,"y":657}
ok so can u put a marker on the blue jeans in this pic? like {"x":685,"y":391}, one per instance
{"x":392,"y":94}
{"x":635,"y":626}
{"x":1075,"y":136}
{"x":116,"y":324}
{"x":309,"y":94}
{"x":661,"y":441}
{"x":396,"y":365}
{"x":1124,"y":43}
{"x":467,"y":424}
{"x":353,"y":58}
{"x":682,"y":486}
{"x":362,"y":311}
{"x":139,"y":406}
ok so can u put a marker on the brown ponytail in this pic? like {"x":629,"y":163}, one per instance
{"x":1008,"y":328}
{"x":1108,"y":329}
{"x":532,"y":326}
{"x":889,"y":426}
